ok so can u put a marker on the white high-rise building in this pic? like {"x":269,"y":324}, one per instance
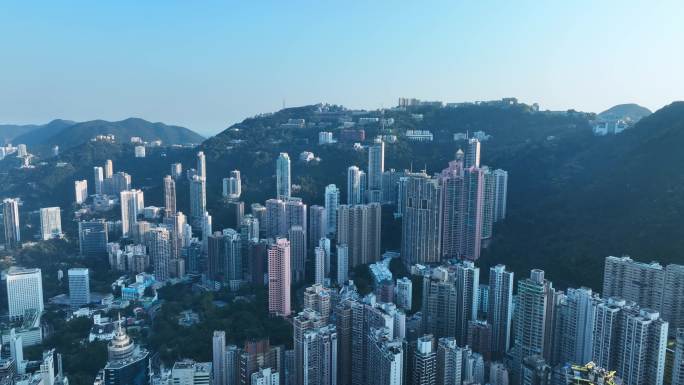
{"x":139,"y":151}
{"x":10,"y":212}
{"x":108,"y":169}
{"x":24,"y":291}
{"x":354,"y":191}
{"x":79,"y":287}
{"x":50,"y":223}
{"x":500,"y":309}
{"x":218,"y":343}
{"x":98,"y":179}
{"x":283,"y":177}
{"x":130,"y":208}
{"x":198,"y":200}
{"x":176,"y":170}
{"x":578,"y":312}
{"x":468,"y":287}
{"x":332,"y":201}
{"x":232,"y":186}
{"x":201,"y":165}
{"x":376,"y":166}
{"x":169,"y":196}
{"x":206,"y":230}
{"x":81,"y":191}
{"x":472,"y":158}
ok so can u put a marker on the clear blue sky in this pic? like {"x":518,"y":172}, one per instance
{"x":208,"y":64}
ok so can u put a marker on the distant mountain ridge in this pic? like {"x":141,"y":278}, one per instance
{"x":66,"y":134}
{"x":629,"y":111}
{"x":9,"y":132}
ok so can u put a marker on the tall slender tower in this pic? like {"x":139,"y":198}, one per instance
{"x":318,"y":225}
{"x":424,"y":366}
{"x":535,"y":302}
{"x":500,"y":309}
{"x":473,"y":154}
{"x":283,"y":181}
{"x":297,"y":238}
{"x":201,"y":165}
{"x":10,"y":211}
{"x":332,"y":201}
{"x":130,"y":208}
{"x":50,"y":223}
{"x":279,"y":278}
{"x":678,"y":364}
{"x":500,"y":194}
{"x":198,"y":200}
{"x":98,"y":179}
{"x":467,"y":285}
{"x":169,"y":196}
{"x":376,"y":166}
{"x":218,"y":343}
{"x":354,"y":196}
{"x":108,"y":169}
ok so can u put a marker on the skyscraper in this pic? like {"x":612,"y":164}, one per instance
{"x":342,"y":263}
{"x":279,"y":277}
{"x":641,"y":353}
{"x":640,"y":282}
{"x":79,"y":287}
{"x":98,"y":180}
{"x":320,"y":356}
{"x":176,"y":170}
{"x":297,"y":238}
{"x":424,"y":362}
{"x":332,"y":201}
{"x":295,"y":214}
{"x":169,"y":196}
{"x":420,"y":225}
{"x":108,"y":169}
{"x":130,"y":208}
{"x":404,"y":293}
{"x":385,"y":358}
{"x":50,"y":223}
{"x":93,"y":237}
{"x":376,"y":166}
{"x":449,"y":362}
{"x":198,"y":200}
{"x":24,"y":291}
{"x":678,"y":364}
{"x":467,"y":285}
{"x":488,"y":201}
{"x":354,"y":196}
{"x":319,"y":265}
{"x":158,"y":242}
{"x":500,"y":194}
{"x":500,"y":309}
{"x":201,"y":165}
{"x":535,"y":300}
{"x":439,"y":302}
{"x":578,"y":313}
{"x":10,"y":212}
{"x":473,"y":154}
{"x":359,"y":228}
{"x":318,"y":226}
{"x":218,"y":343}
{"x":307,"y":320}
{"x":232,"y":186}
{"x":276,"y":223}
{"x":673,"y":297}
{"x":81,"y":191}
{"x":607,"y":331}
{"x":283,"y":177}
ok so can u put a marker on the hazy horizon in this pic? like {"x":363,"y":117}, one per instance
{"x":206,"y":66}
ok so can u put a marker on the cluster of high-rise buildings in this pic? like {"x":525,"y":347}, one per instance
{"x":468,"y":332}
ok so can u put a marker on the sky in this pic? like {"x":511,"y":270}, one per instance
{"x":208,"y":64}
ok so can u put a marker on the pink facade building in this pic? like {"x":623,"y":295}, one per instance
{"x":279,"y":276}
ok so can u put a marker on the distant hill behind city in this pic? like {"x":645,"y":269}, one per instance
{"x":67,"y":134}
{"x":630,"y":111}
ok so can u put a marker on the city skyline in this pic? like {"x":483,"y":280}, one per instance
{"x":550,"y":57}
